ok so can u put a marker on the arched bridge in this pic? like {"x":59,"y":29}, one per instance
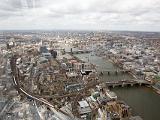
{"x":123,"y":83}
{"x":108,"y":72}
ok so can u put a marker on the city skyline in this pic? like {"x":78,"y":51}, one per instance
{"x":137,"y":15}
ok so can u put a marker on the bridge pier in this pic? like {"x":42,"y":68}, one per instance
{"x":108,"y":73}
{"x":116,"y":72}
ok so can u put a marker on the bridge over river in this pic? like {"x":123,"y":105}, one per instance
{"x":123,"y":83}
{"x":79,"y":51}
{"x":109,"y":72}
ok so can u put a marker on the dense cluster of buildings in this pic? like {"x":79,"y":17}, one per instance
{"x":42,"y":79}
{"x":64,"y":80}
{"x":134,"y":52}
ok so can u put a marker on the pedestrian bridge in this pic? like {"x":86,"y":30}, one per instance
{"x":123,"y":83}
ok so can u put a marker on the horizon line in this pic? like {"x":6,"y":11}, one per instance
{"x":95,"y":30}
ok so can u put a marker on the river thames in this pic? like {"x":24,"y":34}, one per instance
{"x":143,"y":101}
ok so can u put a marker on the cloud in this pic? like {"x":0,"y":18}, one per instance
{"x":80,"y":14}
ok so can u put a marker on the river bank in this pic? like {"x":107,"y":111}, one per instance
{"x":143,"y":100}
{"x":155,"y":89}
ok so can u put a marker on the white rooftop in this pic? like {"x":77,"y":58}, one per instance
{"x":83,"y":104}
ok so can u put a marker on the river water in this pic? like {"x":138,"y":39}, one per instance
{"x":143,"y":101}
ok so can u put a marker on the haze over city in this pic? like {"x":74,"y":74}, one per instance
{"x":134,"y":15}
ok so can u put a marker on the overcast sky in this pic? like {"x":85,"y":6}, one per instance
{"x":143,"y":15}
